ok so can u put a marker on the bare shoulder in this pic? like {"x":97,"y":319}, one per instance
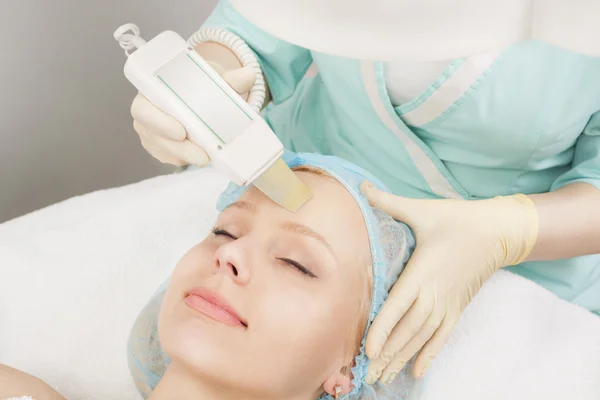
{"x":15,"y":383}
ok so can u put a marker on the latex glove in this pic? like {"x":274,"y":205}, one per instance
{"x":460,"y":244}
{"x":165,"y":138}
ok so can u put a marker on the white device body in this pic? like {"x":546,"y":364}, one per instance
{"x":174,"y":77}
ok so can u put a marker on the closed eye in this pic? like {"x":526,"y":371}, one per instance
{"x":301,"y":268}
{"x":222,"y":232}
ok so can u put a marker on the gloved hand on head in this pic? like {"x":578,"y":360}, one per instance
{"x":460,"y":244}
{"x":165,"y":138}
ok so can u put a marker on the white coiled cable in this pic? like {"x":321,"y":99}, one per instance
{"x":129,"y":39}
{"x":240,"y":48}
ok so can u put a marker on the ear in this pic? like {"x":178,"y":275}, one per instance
{"x":338,"y":379}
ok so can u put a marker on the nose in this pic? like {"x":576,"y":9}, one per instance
{"x":233,"y":259}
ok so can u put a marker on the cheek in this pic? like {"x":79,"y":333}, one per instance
{"x":198,"y":261}
{"x":306,"y":327}
{"x":189,"y":272}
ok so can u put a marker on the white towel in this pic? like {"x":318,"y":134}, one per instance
{"x":74,"y":276}
{"x":517,"y":341}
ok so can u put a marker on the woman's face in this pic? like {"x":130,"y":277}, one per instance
{"x":270,"y":302}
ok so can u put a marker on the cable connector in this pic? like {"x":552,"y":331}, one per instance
{"x":129,"y":39}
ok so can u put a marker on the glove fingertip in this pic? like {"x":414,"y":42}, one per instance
{"x":370,"y":379}
{"x":139,"y":103}
{"x":195,"y":155}
{"x":241,"y":79}
{"x":200,"y":161}
{"x":177,"y":131}
{"x":373,"y":350}
{"x":367,"y":186}
{"x":373,"y":194}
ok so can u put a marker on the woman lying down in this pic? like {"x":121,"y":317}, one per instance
{"x":273,"y":304}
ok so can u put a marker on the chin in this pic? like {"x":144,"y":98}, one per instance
{"x":196,"y":344}
{"x":213,"y":356}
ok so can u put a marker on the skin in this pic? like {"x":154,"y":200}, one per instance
{"x":15,"y":383}
{"x":291,"y":347}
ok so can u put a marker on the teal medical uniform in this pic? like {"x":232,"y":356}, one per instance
{"x":522,"y":120}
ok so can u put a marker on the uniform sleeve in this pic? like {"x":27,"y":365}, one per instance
{"x":586,"y":161}
{"x":282,"y":63}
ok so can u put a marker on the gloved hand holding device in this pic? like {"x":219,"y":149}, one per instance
{"x":163,"y":136}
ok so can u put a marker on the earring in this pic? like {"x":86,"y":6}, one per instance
{"x":338,"y":390}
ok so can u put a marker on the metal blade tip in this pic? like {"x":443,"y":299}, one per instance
{"x":281,"y":185}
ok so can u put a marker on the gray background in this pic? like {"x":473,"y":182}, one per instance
{"x":65,"y":127}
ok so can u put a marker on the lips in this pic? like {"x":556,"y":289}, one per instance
{"x":214,"y":306}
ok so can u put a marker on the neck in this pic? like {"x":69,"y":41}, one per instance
{"x":179,"y":384}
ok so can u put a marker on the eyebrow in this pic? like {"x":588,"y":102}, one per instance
{"x":304,"y":230}
{"x":243,"y":205}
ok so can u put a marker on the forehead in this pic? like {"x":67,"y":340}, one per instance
{"x":332,"y":212}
